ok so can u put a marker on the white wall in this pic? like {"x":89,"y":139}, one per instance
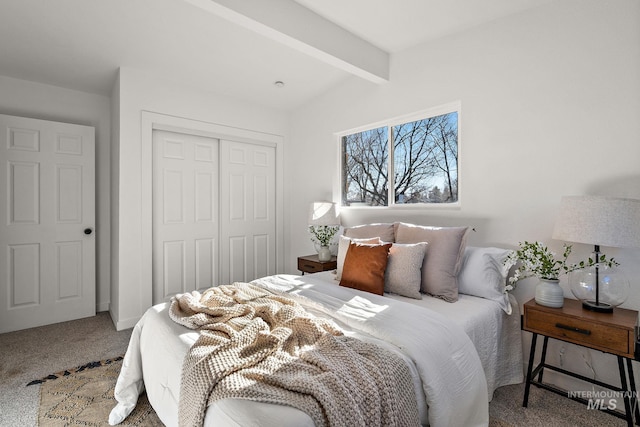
{"x":39,"y":101}
{"x":550,"y":107}
{"x":138,"y":92}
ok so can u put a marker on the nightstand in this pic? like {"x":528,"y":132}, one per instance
{"x":612,"y":333}
{"x":311,"y":264}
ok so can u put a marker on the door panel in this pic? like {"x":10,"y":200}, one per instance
{"x":174,"y":278}
{"x":47,"y":191}
{"x":24,"y":275}
{"x":69,"y":262}
{"x":185,"y":213}
{"x":237,"y":260}
{"x":69,"y":193}
{"x":206,"y":259}
{"x":248,"y":234}
{"x":24,"y":193}
{"x":204,"y":190}
{"x":261,"y":265}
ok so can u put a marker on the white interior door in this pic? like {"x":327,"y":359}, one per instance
{"x":185,"y":213}
{"x":47,"y":220}
{"x":248,"y":233}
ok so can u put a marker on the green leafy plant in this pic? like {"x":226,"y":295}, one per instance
{"x":535,"y":259}
{"x":322,"y":234}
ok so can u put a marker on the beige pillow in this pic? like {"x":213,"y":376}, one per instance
{"x":364,"y":267}
{"x":384,"y":231}
{"x":404,"y":269}
{"x":343,"y":247}
{"x":444,"y":257}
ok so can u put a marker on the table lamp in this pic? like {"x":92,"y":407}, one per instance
{"x":600,"y":221}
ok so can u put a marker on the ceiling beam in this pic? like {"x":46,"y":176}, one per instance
{"x":295,"y":26}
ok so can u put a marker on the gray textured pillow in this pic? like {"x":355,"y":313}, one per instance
{"x":483,"y":274}
{"x":443,"y":260}
{"x":384,"y":231}
{"x":404,"y":269}
{"x":343,"y":247}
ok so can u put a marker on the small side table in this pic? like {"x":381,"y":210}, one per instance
{"x":612,"y":333}
{"x":312,"y":264}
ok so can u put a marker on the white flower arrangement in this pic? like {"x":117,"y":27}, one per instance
{"x":537,"y":260}
{"x":322,"y":234}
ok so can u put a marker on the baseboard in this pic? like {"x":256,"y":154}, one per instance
{"x":125,"y":324}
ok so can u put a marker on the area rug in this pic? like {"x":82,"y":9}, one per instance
{"x":83,"y":396}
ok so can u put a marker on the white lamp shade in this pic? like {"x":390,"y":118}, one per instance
{"x":323,"y":213}
{"x":598,"y":220}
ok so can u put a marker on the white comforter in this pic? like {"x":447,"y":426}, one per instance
{"x":449,"y":376}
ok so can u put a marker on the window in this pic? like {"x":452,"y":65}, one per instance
{"x":419,"y":164}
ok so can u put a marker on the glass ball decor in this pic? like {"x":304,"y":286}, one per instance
{"x":613,"y":287}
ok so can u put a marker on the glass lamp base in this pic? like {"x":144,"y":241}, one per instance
{"x":601,"y":307}
{"x":609,"y":284}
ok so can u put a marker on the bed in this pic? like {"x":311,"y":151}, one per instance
{"x":458,"y":353}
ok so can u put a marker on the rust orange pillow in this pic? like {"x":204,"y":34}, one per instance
{"x":364,"y":267}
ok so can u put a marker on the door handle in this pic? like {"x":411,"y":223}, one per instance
{"x":88,"y":231}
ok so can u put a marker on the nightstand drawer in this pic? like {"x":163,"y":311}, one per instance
{"x":309,"y":266}
{"x":580,"y":331}
{"x":312,"y":264}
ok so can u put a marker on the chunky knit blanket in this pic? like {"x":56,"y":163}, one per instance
{"x":259,"y":345}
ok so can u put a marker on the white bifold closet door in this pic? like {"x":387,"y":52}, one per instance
{"x":213,"y":212}
{"x":47,"y":220}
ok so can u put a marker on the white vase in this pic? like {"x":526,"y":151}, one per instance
{"x":324,"y":253}
{"x":549,"y":293}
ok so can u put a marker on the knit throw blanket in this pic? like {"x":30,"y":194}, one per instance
{"x":258,"y":345}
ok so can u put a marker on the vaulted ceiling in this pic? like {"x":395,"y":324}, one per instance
{"x":235,"y":47}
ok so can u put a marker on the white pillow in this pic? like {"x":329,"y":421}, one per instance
{"x":403,"y":275}
{"x":483,"y":274}
{"x":343,"y":247}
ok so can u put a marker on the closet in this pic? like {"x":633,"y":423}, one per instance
{"x":213,"y":212}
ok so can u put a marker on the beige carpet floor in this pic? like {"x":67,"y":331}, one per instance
{"x":36,"y":353}
{"x":546,"y":409}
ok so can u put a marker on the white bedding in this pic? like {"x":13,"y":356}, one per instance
{"x":449,"y":375}
{"x":495,"y":334}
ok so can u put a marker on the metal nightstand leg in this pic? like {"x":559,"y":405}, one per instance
{"x":625,"y":392}
{"x":532,"y":354}
{"x":543,"y":359}
{"x":634,"y":393}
